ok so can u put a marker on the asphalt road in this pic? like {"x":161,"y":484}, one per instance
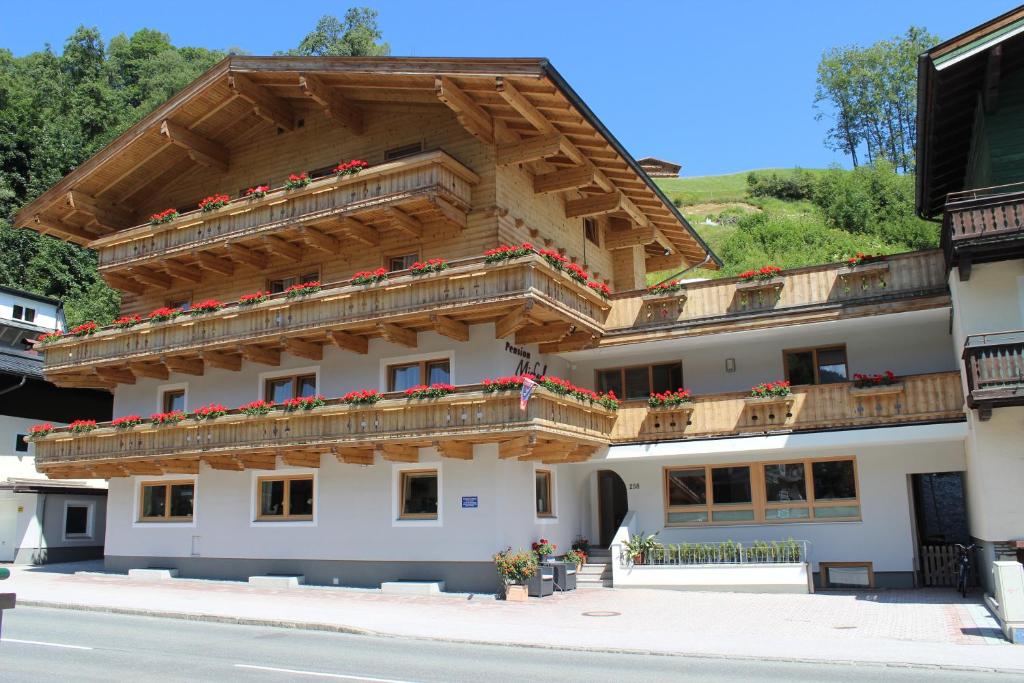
{"x":66,"y":645}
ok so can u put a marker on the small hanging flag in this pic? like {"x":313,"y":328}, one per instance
{"x":526,"y":392}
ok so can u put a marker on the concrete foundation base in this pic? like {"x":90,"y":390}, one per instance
{"x":152,"y":574}
{"x":413,"y":587}
{"x":277,"y":581}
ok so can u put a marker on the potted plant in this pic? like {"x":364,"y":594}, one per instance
{"x":770,"y":392}
{"x":544,"y":550}
{"x":760,"y":280}
{"x":866,"y":267}
{"x":642,"y":546}
{"x":515,"y":569}
{"x":576,"y":557}
{"x":879,"y":384}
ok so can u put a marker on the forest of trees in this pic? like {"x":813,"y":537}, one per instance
{"x":59,"y":108}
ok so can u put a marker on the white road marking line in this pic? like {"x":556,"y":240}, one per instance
{"x":321,"y":674}
{"x":39,"y":642}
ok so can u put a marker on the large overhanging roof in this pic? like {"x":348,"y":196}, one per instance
{"x":951,"y":77}
{"x":504,"y":101}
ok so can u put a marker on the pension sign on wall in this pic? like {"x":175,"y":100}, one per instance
{"x":526,"y":363}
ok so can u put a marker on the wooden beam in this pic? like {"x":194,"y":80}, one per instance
{"x":320,"y":240}
{"x":335,"y":105}
{"x":276,"y":245}
{"x":147,"y":184}
{"x":144,"y":467}
{"x":394,"y":452}
{"x":593,"y":205}
{"x":106,"y":213}
{"x":398,"y":335}
{"x":404,"y":222}
{"x":180,"y":466}
{"x":123,"y":283}
{"x":247,"y":255}
{"x":216,"y":264}
{"x":523,"y":106}
{"x":259,"y":354}
{"x":359,"y":231}
{"x":530,"y":149}
{"x":150,"y":370}
{"x":121,"y":376}
{"x":201,"y":150}
{"x":188,"y":366}
{"x":656,"y":263}
{"x":301,"y":459}
{"x":151,"y":277}
{"x":183,"y":271}
{"x":512,"y":322}
{"x":355,"y":456}
{"x":461,"y":450}
{"x":449,"y":213}
{"x":267,"y":106}
{"x":258,"y":461}
{"x":222,"y":360}
{"x":573,"y":342}
{"x":470,"y":114}
{"x":449,"y":327}
{"x":543,"y":333}
{"x":513,"y":448}
{"x":626,"y":239}
{"x":303,"y":349}
{"x":565,"y":179}
{"x":350,"y":342}
{"x":223,"y":463}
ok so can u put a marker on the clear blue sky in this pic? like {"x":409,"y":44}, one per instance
{"x":718,"y":86}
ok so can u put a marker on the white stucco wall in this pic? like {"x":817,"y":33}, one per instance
{"x":12,"y":463}
{"x":46,"y":314}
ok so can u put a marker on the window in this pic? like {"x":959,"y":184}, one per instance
{"x":641,"y":381}
{"x":173,"y":399}
{"x":77,"y":520}
{"x":591,"y":231}
{"x":403,"y":262}
{"x":285,"y":498}
{"x":406,"y":375}
{"x":278,"y":285}
{"x":815,"y":366}
{"x":404,"y":151}
{"x":24,"y":313}
{"x":277,"y":389}
{"x":20,"y":444}
{"x":800,"y":490}
{"x":418,"y":494}
{"x":847,"y":574}
{"x":184,"y":302}
{"x":545,"y":499}
{"x":166,"y":501}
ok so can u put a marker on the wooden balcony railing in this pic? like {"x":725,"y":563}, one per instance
{"x":553,"y":428}
{"x":800,"y":295}
{"x":921,"y":398}
{"x":985,"y":224}
{"x":433,"y":180}
{"x":995,"y":371}
{"x":469,"y":291}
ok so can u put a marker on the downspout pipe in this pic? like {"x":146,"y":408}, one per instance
{"x":687,"y":270}
{"x":19,"y":385}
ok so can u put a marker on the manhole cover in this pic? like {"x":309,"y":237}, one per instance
{"x":602,"y":614}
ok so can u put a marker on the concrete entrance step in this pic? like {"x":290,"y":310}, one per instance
{"x":150,"y":574}
{"x":277,"y":581}
{"x":412,"y":587}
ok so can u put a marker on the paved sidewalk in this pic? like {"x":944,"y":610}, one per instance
{"x":925,"y":627}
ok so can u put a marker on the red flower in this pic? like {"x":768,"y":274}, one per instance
{"x":258,"y":191}
{"x":126,"y":321}
{"x":79,"y":426}
{"x":254,"y":298}
{"x":207,"y":306}
{"x":171,"y":417}
{"x":126,"y":421}
{"x":164,"y":313}
{"x":260,"y":407}
{"x":365,"y":277}
{"x":83,"y":330}
{"x":41,"y":429}
{"x":362,"y":396}
{"x":214,"y":201}
{"x":164,"y":216}
{"x":302,"y":289}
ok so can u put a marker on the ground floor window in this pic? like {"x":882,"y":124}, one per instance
{"x":417,"y":491}
{"x":77,"y":520}
{"x":166,"y":501}
{"x":786,"y":491}
{"x":285,"y":497}
{"x":545,"y":501}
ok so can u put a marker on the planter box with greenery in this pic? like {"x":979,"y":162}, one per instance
{"x":882,"y":384}
{"x":515,"y":569}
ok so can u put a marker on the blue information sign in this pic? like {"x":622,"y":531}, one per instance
{"x":469,"y":501}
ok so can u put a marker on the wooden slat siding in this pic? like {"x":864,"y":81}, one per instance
{"x":971,"y":218}
{"x":473,"y":415}
{"x":472,"y":288}
{"x":909,"y":273}
{"x":323,"y":199}
{"x":936,"y":396}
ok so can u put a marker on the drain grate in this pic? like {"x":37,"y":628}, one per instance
{"x":602,"y":614}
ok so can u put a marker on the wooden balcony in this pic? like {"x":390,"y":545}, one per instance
{"x":552,"y":429}
{"x":982,"y":225}
{"x":892,"y":284}
{"x":424,"y":191}
{"x":995,"y":371}
{"x":928,"y":398}
{"x":526,"y":297}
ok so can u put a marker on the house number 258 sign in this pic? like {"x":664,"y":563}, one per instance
{"x":634,"y":486}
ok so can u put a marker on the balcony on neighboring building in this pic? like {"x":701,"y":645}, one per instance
{"x":922,"y":399}
{"x":985,"y":224}
{"x":995,"y":371}
{"x":553,"y":429}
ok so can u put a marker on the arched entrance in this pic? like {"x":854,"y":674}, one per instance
{"x":612,"y":504}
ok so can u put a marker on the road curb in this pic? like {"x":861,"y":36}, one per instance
{"x":352,"y":630}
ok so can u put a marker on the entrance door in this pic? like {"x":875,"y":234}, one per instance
{"x":612,"y":504}
{"x":8,"y":530}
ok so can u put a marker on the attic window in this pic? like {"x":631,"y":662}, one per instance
{"x":399,"y":152}
{"x":24,"y":313}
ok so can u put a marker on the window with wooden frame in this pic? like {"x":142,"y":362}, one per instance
{"x":182,"y":301}
{"x":401,"y":261}
{"x":640,"y":381}
{"x":277,"y":389}
{"x":798,"y":490}
{"x":822,"y":365}
{"x":846,"y":575}
{"x":403,"y":151}
{"x":545,"y":500}
{"x":166,"y":501}
{"x":592,"y":231}
{"x":406,"y":375}
{"x":288,"y":498}
{"x":173,"y":399}
{"x":417,"y":494}
{"x":279,"y":284}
